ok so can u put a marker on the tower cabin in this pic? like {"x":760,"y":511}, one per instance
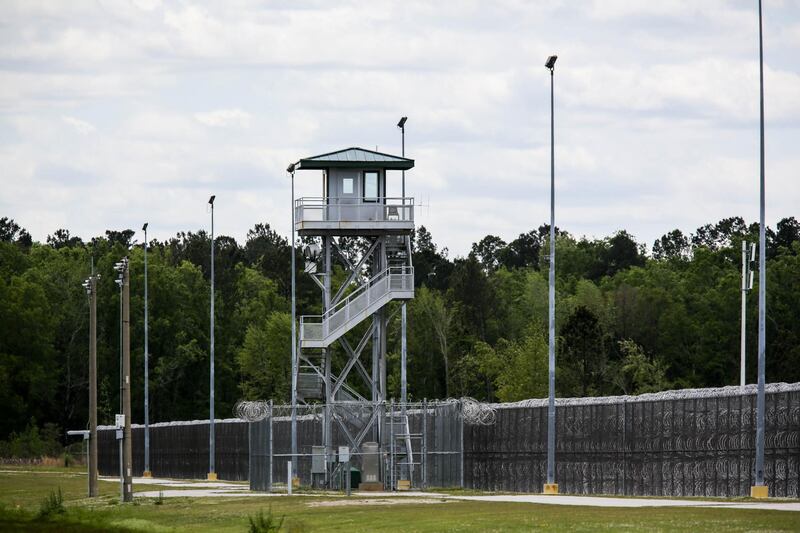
{"x":354,"y":199}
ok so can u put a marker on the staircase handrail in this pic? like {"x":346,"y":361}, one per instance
{"x":400,"y":270}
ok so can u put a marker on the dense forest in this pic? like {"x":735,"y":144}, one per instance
{"x":628,"y":320}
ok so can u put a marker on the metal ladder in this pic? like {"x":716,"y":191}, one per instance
{"x":402,"y":457}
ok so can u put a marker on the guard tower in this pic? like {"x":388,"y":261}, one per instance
{"x":354,"y":313}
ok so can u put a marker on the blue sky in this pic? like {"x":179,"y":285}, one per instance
{"x":117,"y":113}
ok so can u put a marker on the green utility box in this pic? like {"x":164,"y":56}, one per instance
{"x":355,"y":477}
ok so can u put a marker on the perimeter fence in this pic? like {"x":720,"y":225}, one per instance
{"x":695,"y":442}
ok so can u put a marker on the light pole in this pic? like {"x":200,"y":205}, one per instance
{"x":403,"y":317}
{"x":760,"y":490}
{"x":120,"y":426}
{"x":146,"y":472}
{"x":212,"y":474}
{"x":747,"y":284}
{"x":290,"y":169}
{"x":123,"y":268}
{"x":551,"y":487}
{"x":90,"y":285}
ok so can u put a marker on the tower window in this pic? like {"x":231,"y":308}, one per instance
{"x":370,"y":186}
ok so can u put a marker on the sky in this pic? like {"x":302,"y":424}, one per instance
{"x":113,"y":114}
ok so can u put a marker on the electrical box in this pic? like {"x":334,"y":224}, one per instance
{"x":344,"y":454}
{"x":318,"y":459}
{"x":371,"y":466}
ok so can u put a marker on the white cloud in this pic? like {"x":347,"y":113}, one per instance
{"x":224,"y":118}
{"x":656,"y":111}
{"x":81,"y":126}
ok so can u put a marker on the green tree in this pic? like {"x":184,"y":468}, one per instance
{"x":638,"y":373}
{"x":524,"y":368}
{"x":265,"y":357}
{"x":582,"y":361}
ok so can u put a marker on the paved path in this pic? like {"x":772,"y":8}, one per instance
{"x":200,"y":489}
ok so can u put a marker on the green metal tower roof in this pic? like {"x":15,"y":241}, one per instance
{"x":355,"y":157}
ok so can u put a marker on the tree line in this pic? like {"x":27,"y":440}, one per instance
{"x":628,"y":320}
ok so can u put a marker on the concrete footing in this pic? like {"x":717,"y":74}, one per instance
{"x":759,"y":491}
{"x":551,"y":488}
{"x":147,"y":473}
{"x":212,"y":476}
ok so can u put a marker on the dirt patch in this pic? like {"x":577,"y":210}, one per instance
{"x":374,"y":501}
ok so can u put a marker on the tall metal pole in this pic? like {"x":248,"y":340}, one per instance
{"x":127,"y":452}
{"x":146,"y":472}
{"x":327,"y":355}
{"x":762,"y":288}
{"x":121,"y":410}
{"x":407,"y":469}
{"x":403,"y":315}
{"x":92,"y":384}
{"x":294,"y":345}
{"x":744,"y":315}
{"x":551,"y":404}
{"x":212,"y":474}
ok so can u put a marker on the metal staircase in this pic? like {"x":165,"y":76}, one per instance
{"x":393,"y":283}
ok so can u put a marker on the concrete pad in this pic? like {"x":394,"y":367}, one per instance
{"x":201,"y":493}
{"x":205,"y":489}
{"x":594,"y":501}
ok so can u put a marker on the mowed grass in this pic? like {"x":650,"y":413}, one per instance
{"x":22,"y":492}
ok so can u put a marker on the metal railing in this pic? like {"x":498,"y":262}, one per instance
{"x":383,"y":209}
{"x":319,"y":327}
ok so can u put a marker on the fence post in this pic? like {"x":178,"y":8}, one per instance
{"x":424,"y":443}
{"x":391,"y":444}
{"x":461,"y":438}
{"x":289,"y":478}
{"x":271,"y":454}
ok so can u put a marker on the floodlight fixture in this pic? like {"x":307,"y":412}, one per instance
{"x":211,"y":200}
{"x":402,"y":122}
{"x":312,"y":251}
{"x":290,"y":168}
{"x":144,"y":228}
{"x":551,"y":62}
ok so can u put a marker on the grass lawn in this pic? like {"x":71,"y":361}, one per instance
{"x":21,"y":494}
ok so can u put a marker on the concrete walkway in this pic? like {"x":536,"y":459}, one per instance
{"x":216,"y":489}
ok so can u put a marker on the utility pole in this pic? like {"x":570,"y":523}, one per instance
{"x":212,"y":474}
{"x":90,"y":285}
{"x":146,"y":472}
{"x":120,"y":417}
{"x":551,"y":487}
{"x":123,"y":267}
